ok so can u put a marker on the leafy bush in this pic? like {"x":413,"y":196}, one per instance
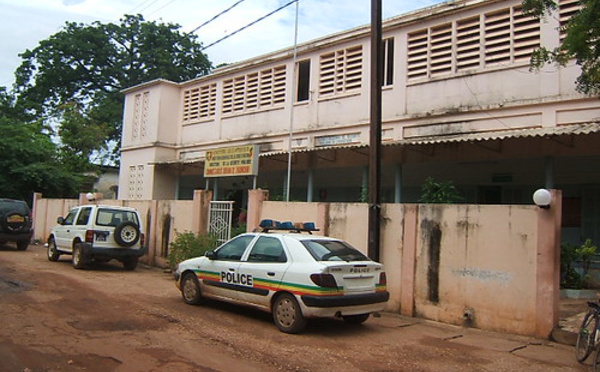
{"x":237,"y":230}
{"x":188,"y":245}
{"x":571,"y":254}
{"x":440,"y":192}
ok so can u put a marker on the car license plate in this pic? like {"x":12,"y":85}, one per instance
{"x":15,"y":218}
{"x":101,"y":238}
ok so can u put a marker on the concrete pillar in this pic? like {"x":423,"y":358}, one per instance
{"x":310,"y":185}
{"x":201,"y":201}
{"x":255,"y":202}
{"x":549,"y":165}
{"x":409,"y":259}
{"x":548,"y":266}
{"x":398,"y":184}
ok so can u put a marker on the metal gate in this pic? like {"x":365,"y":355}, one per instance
{"x":219,"y":220}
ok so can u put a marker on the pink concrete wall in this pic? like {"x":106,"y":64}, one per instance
{"x":494,"y":267}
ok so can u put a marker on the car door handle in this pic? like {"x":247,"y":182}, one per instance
{"x":270,"y":273}
{"x":231,"y":269}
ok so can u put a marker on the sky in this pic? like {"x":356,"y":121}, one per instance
{"x":27,"y":22}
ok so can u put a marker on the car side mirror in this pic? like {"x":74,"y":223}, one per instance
{"x":211,"y":255}
{"x":60,"y":220}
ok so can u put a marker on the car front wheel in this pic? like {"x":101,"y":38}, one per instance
{"x":53,"y":254}
{"x":287,"y":314}
{"x":190,"y":289}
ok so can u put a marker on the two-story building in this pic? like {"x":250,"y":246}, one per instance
{"x":460,"y":103}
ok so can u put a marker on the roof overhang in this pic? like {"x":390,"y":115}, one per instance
{"x":561,"y":130}
{"x":540,"y":132}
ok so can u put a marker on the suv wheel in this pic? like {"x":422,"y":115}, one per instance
{"x":127,"y":234}
{"x":78,"y":257}
{"x":130,"y":263}
{"x":53,"y":254}
{"x":23,"y":245}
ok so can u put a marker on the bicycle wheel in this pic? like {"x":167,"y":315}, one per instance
{"x":586,"y":336}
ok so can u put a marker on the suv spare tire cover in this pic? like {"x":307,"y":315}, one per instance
{"x":8,"y":208}
{"x":127,"y":233}
{"x":12,"y":226}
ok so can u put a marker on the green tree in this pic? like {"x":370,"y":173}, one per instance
{"x":80,"y":136}
{"x":582,"y":42}
{"x":89,"y":65}
{"x":29,"y":162}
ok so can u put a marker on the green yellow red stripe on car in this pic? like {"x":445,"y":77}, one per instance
{"x":273,"y":285}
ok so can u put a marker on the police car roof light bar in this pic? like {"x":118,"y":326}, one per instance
{"x":268,"y":224}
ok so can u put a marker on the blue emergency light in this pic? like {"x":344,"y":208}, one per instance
{"x":269,"y":224}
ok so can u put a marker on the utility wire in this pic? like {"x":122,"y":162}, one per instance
{"x":147,"y":6}
{"x":250,"y":24}
{"x":215,"y":17}
{"x":137,"y":6}
{"x":161,"y":8}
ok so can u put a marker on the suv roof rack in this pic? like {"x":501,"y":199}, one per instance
{"x":267,"y":225}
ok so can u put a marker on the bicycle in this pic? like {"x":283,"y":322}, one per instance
{"x":588,"y":335}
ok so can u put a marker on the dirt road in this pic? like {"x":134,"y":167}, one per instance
{"x":56,"y":318}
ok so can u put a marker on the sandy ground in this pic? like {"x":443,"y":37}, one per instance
{"x":56,"y":318}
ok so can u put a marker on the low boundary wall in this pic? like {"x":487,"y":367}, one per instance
{"x":493,"y":267}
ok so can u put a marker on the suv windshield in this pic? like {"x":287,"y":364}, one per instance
{"x":333,"y":250}
{"x":113,"y":217}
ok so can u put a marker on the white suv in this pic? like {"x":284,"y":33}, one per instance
{"x":98,"y":233}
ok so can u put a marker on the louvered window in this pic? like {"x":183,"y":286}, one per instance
{"x":468,"y":43}
{"x":254,"y":91}
{"x":418,"y":43}
{"x":566,"y":10}
{"x":526,"y":35}
{"x":199,"y":103}
{"x":341,"y":71}
{"x":440,"y":57}
{"x":497,"y":36}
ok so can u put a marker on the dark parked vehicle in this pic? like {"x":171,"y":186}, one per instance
{"x":16,"y":224}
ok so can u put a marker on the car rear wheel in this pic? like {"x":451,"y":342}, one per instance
{"x":287,"y":314}
{"x":190,"y":289}
{"x":78,"y":257}
{"x":130,"y":263}
{"x":53,"y":254}
{"x":355,"y":319}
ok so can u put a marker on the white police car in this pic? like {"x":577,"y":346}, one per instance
{"x":294,"y":276}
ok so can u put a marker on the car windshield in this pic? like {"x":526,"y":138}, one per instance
{"x":333,"y":250}
{"x":113,"y":217}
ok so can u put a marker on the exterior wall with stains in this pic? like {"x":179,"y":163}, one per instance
{"x":493,"y":267}
{"x":476,"y":266}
